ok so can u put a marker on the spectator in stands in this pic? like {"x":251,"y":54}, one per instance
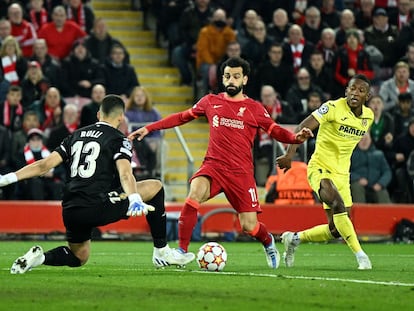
{"x":405,"y":37}
{"x":370,"y":173}
{"x":299,"y":10}
{"x":313,"y":25}
{"x":256,"y":48}
{"x":246,"y":29}
{"x":347,"y":23}
{"x":99,"y":42}
{"x":120,"y":78}
{"x":211,"y":47}
{"x":329,"y":14}
{"x":363,"y":15}
{"x":46,"y":187}
{"x":278,"y":29}
{"x":399,"y":83}
{"x":403,"y":148}
{"x":89,"y":111}
{"x":191,"y":21}
{"x":81,"y":72}
{"x":275,"y":71}
{"x":328,"y":47}
{"x":167,"y":22}
{"x":68,"y":126}
{"x":13,"y":64}
{"x":80,"y":14}
{"x":50,"y":67}
{"x":376,"y":57}
{"x":60,"y":33}
{"x":49,"y":110}
{"x":5,"y":29}
{"x":19,"y":138}
{"x":402,"y":113}
{"x":21,"y":29}
{"x":298,"y":94}
{"x":297,"y":50}
{"x":320,"y":75}
{"x":280,"y":110}
{"x":402,"y":16}
{"x":38,"y":15}
{"x":11,"y":110}
{"x":256,"y":51}
{"x":6,"y":193}
{"x":352,"y":59}
{"x":140,"y":110}
{"x":34,"y":84}
{"x":409,"y":59}
{"x":382,"y":35}
{"x":382,"y":129}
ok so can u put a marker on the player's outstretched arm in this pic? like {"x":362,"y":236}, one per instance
{"x":137,"y":207}
{"x":175,"y":119}
{"x":304,"y":134}
{"x":304,"y":131}
{"x":35,"y":169}
{"x":138,"y":134}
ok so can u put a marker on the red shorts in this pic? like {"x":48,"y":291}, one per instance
{"x":239,"y":188}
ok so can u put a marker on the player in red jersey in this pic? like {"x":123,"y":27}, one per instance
{"x":228,"y":164}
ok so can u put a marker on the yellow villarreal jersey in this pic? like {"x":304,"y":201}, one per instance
{"x":339,"y":132}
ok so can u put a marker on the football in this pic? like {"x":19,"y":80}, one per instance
{"x":212,"y":257}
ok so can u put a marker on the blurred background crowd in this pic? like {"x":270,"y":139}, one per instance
{"x":58,"y":60}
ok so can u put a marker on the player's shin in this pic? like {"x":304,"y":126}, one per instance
{"x":319,"y":233}
{"x":187,"y":222}
{"x":61,"y":256}
{"x":157,"y":219}
{"x":345,"y":228}
{"x":261,"y":234}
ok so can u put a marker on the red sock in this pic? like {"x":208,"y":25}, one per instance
{"x":261,"y":234}
{"x":187,"y":222}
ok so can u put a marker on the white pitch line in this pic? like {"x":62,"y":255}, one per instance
{"x":301,"y":277}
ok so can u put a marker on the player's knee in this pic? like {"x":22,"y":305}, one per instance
{"x":81,"y":257}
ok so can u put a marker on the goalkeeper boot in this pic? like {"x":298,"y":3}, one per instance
{"x":290,"y":247}
{"x":364,"y":263}
{"x":272,"y":254}
{"x":163,"y":257}
{"x":33,"y":258}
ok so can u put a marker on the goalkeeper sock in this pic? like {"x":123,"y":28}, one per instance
{"x":157,"y":220}
{"x":261,"y":234}
{"x":61,"y":256}
{"x":186,"y":223}
{"x":319,"y":233}
{"x":345,"y":228}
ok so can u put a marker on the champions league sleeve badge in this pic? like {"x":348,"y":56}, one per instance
{"x":127,"y":144}
{"x":323,"y":109}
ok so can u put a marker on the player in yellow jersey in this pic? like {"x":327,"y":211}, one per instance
{"x":342,"y":123}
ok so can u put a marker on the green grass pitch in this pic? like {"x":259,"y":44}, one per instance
{"x":120,"y":276}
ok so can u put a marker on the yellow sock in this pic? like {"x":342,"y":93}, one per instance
{"x":319,"y":233}
{"x":346,"y":229}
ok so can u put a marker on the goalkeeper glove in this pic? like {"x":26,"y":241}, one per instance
{"x":137,"y":207}
{"x":7,"y":179}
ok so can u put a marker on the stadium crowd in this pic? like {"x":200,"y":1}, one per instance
{"x":58,"y":61}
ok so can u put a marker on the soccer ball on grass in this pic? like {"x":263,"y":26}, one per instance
{"x":212,"y":257}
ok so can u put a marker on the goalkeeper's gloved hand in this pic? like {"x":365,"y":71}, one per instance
{"x":7,"y":179}
{"x":137,"y":207}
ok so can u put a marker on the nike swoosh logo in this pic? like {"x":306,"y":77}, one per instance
{"x":217,"y":106}
{"x":254,"y":205}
